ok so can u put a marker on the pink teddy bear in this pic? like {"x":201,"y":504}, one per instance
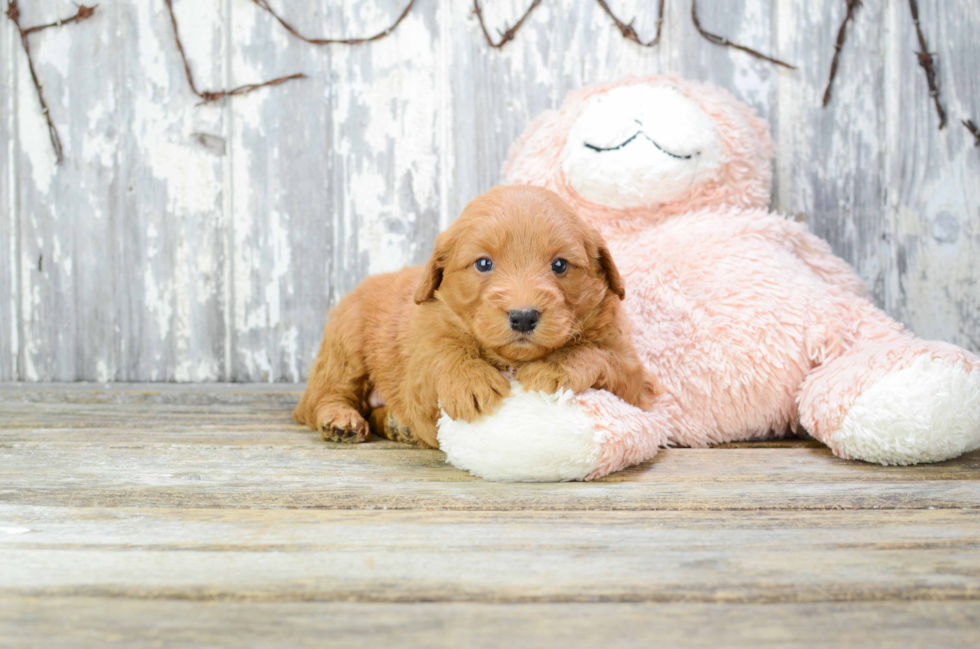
{"x":749,"y":322}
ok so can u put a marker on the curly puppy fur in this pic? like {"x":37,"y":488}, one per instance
{"x":441,"y":335}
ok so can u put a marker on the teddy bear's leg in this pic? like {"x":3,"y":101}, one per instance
{"x":899,"y":400}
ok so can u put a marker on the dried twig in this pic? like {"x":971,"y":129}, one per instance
{"x":213,"y":95}
{"x":13,"y":13}
{"x":508,"y":34}
{"x":928,"y":64}
{"x":626,"y":29}
{"x":852,"y":6}
{"x":721,"y":40}
{"x":341,"y":41}
{"x":972,"y":127}
{"x":80,"y":15}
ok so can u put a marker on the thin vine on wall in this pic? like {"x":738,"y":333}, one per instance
{"x":926,"y":59}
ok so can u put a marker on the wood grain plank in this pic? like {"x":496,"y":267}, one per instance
{"x":217,"y":425}
{"x":169,"y":236}
{"x":348,"y":186}
{"x":119,"y":245}
{"x":282,"y":395}
{"x":95,"y":622}
{"x":830,"y":161}
{"x":501,"y":556}
{"x":932,"y":176}
{"x":9,"y":241}
{"x":389,"y":115}
{"x":281,"y":188}
{"x":65,"y":292}
{"x":64,"y":426}
{"x":203,"y":475}
{"x":143,"y":462}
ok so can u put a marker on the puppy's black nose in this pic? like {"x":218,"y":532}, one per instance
{"x":525,"y":320}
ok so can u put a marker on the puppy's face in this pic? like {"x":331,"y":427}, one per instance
{"x":523,"y":273}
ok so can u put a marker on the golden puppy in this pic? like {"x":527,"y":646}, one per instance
{"x":518,"y":282}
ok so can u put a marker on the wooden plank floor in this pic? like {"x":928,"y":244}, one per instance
{"x":178,"y":515}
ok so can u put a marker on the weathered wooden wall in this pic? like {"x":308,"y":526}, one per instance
{"x":201,"y":243}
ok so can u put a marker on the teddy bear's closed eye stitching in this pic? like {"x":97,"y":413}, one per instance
{"x":625,"y":142}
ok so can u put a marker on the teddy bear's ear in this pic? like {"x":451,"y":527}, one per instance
{"x":432,"y":274}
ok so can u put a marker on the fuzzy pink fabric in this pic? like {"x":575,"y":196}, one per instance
{"x":749,"y":321}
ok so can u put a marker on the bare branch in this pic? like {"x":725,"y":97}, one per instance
{"x":264,"y":4}
{"x":852,"y":6}
{"x":13,"y":13}
{"x":626,"y":29}
{"x":82,"y":13}
{"x":928,"y":64}
{"x":508,"y":34}
{"x":972,"y":127}
{"x":213,"y":95}
{"x":721,"y":40}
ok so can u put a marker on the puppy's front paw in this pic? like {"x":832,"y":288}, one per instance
{"x":474,"y":391}
{"x":338,"y":423}
{"x":548,"y":377}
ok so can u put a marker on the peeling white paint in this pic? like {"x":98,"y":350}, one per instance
{"x":102,"y":372}
{"x":153,"y":59}
{"x":216,"y":280}
{"x":158,"y":299}
{"x":98,"y":145}
{"x":52,"y":49}
{"x":8,"y":43}
{"x":14,"y":530}
{"x":444,"y":119}
{"x":35,"y":143}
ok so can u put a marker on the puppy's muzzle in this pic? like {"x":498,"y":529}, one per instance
{"x":524,"y":320}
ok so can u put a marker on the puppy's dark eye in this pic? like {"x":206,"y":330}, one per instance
{"x":559,"y":266}
{"x":484,"y":265}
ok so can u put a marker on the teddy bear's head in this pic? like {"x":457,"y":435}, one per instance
{"x":642,"y":146}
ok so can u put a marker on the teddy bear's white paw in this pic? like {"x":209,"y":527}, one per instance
{"x":927,"y":412}
{"x":532,"y":437}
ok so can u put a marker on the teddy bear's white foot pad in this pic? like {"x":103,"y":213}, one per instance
{"x":532,"y":437}
{"x":927,"y":412}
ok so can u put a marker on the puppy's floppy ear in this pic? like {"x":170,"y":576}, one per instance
{"x":432,"y":274}
{"x":604,"y":257}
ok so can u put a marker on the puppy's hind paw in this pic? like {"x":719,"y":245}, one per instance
{"x":384,"y":424}
{"x":343,"y":425}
